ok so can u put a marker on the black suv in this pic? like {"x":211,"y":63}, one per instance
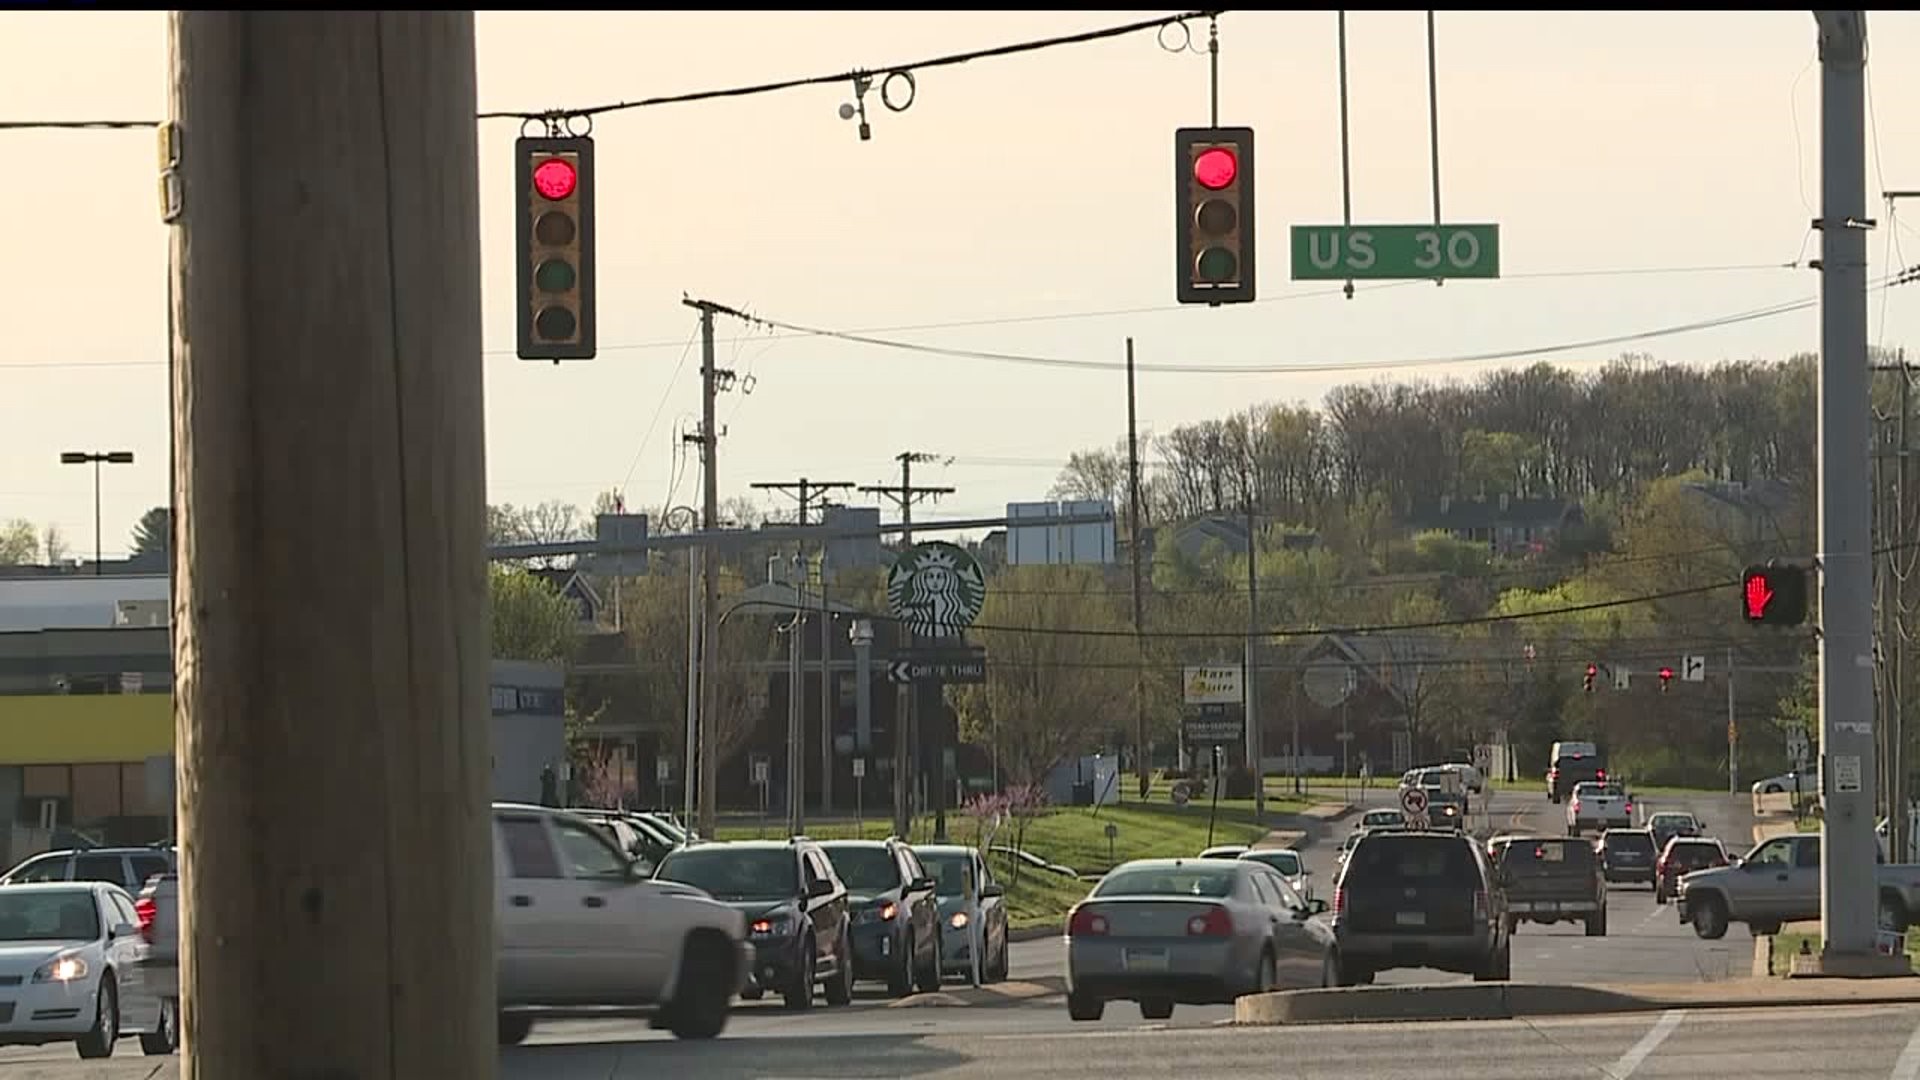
{"x":796,"y":910}
{"x":1627,"y":855}
{"x":1413,"y":900}
{"x":896,"y":917}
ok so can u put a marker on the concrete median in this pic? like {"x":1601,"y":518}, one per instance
{"x":1508,"y":1001}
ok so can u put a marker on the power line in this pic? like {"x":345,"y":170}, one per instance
{"x":859,"y":77}
{"x":1064,"y":316}
{"x":1906,"y":276}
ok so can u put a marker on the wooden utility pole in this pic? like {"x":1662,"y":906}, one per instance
{"x":332,"y":650}
{"x":905,"y":753}
{"x":809,"y":493}
{"x":1142,"y":759}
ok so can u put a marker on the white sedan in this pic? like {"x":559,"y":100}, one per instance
{"x":70,"y":955}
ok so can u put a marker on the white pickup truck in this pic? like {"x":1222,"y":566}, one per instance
{"x":576,"y":922}
{"x":1598,"y":805}
{"x":1779,"y":882}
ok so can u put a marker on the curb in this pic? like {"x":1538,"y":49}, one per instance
{"x":1510,"y":1001}
{"x":1011,"y":992}
{"x":1036,"y":933}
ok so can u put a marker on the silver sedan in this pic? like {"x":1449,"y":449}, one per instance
{"x":1162,"y":932}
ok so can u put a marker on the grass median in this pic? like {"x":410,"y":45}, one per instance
{"x":1074,"y":837}
{"x":1787,"y":945}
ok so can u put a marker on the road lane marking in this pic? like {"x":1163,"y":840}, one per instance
{"x":1907,"y":1067}
{"x":1648,"y":1043}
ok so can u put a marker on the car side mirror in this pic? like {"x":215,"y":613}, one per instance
{"x":819,"y":889}
{"x":991,"y":891}
{"x":1315,"y":906}
{"x":639,"y":870}
{"x":125,"y":929}
{"x":920,"y":884}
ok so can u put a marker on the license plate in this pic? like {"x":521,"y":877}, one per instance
{"x":1411,"y":918}
{"x":1145,"y":959}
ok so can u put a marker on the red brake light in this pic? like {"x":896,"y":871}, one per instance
{"x":146,"y":910}
{"x":1086,"y":923}
{"x":1215,"y":923}
{"x":1600,"y":774}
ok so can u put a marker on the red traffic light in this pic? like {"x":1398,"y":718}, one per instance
{"x":1592,"y":670}
{"x":1216,"y":168}
{"x":554,"y":179}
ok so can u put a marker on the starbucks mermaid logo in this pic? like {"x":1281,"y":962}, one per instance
{"x":936,"y":589}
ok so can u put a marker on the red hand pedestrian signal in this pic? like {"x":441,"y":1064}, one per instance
{"x":1774,"y":595}
{"x":1759,"y":595}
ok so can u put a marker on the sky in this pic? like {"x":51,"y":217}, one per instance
{"x":1646,"y":169}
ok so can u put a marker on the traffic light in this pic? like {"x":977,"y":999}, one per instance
{"x":1593,"y":672}
{"x":1666,"y":677}
{"x":1774,"y":595}
{"x":553,"y":188}
{"x":1213,"y":229}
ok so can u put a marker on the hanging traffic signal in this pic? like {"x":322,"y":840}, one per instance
{"x":553,"y":188}
{"x":1213,"y":229}
{"x":1666,"y":676}
{"x":1774,"y":595}
{"x":1593,"y":672}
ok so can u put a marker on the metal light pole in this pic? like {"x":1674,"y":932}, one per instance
{"x":96,"y":458}
{"x":796,"y":724}
{"x":688,"y":764}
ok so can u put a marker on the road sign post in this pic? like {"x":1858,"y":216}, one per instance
{"x":1395,"y":252}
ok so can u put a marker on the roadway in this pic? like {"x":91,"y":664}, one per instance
{"x":1837,"y":1043}
{"x":1645,"y":943}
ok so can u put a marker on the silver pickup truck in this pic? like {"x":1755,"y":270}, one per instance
{"x":1779,"y":882}
{"x":158,"y":907}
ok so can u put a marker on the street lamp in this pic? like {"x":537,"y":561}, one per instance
{"x":96,"y":458}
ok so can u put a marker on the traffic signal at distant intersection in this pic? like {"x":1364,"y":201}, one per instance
{"x":1213,"y":229}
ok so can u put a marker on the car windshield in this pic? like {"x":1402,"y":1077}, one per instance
{"x":1190,"y":880}
{"x":949,"y":873}
{"x":733,"y":874}
{"x":864,"y":869}
{"x":1285,"y":861}
{"x":67,"y":915}
{"x":1698,"y":854}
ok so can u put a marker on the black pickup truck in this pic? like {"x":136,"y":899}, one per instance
{"x":1551,"y":879}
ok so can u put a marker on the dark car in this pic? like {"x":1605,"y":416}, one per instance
{"x":1413,"y":900}
{"x":796,"y":909}
{"x":1627,"y":855}
{"x":1684,"y":855}
{"x":1550,"y":879}
{"x":1571,"y":770}
{"x":896,"y":917}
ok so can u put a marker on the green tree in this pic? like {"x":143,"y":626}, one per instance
{"x":1057,"y":687}
{"x":153,"y":533}
{"x":19,"y":542}
{"x":531,"y":620}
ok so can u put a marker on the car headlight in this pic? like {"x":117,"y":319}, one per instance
{"x":773,"y":924}
{"x":61,"y":969}
{"x":958,"y":920}
{"x":876,"y":913}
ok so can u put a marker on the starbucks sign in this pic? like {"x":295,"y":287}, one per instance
{"x":936,"y":589}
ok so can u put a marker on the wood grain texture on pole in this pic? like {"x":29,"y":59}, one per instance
{"x":331,"y":708}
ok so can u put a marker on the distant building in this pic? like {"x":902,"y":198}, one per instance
{"x":1507,"y":525}
{"x":1036,"y":545}
{"x":854,"y":552}
{"x":580,"y":592}
{"x":61,"y":597}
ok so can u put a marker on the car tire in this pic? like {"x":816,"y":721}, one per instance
{"x":798,"y":994}
{"x":705,"y":995}
{"x":165,"y":1037}
{"x":1156,"y":1009}
{"x":998,"y":973}
{"x":100,"y":1039}
{"x":1709,"y":916}
{"x":839,"y":988}
{"x":928,"y":977}
{"x":1265,"y":976}
{"x":513,"y":1028}
{"x":1085,"y":1008}
{"x":900,"y":979}
{"x":1498,"y":966}
{"x":1597,"y":923}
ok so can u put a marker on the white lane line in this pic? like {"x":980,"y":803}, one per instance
{"x":1907,"y":1067}
{"x":1648,"y":1043}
